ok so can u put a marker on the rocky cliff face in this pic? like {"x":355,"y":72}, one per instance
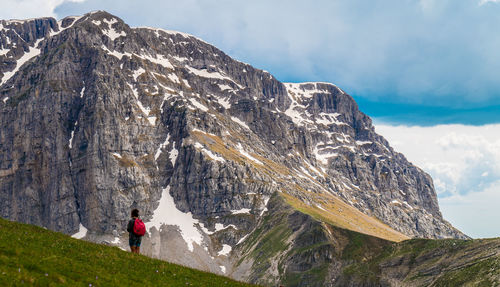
{"x":98,"y":118}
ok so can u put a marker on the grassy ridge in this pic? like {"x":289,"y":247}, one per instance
{"x":338,"y":213}
{"x":30,"y":255}
{"x":432,"y":262}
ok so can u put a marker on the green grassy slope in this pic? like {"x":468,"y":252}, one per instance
{"x":307,"y":252}
{"x":30,"y":255}
{"x":426,"y":262}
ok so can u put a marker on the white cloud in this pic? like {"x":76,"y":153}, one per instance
{"x":464,"y":162}
{"x":475,"y":213}
{"x":23,"y":9}
{"x":482,"y":2}
{"x":420,"y":50}
{"x":427,"y":5}
{"x":463,"y":158}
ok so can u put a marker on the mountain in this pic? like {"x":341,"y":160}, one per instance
{"x":232,"y":170}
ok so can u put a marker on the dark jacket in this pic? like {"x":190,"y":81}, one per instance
{"x":130,"y":229}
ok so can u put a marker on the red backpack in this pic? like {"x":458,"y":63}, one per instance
{"x":139,"y":227}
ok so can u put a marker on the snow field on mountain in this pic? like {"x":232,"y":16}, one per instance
{"x":167,"y":214}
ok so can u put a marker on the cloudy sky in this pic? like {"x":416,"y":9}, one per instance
{"x":425,"y":70}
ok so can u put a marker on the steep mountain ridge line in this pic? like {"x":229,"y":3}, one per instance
{"x":109,"y":117}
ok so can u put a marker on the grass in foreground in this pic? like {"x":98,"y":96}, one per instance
{"x":30,"y":255}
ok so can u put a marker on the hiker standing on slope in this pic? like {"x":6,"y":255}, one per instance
{"x":136,"y":229}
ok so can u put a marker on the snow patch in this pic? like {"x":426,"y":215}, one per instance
{"x":167,"y":214}
{"x":320,"y":207}
{"x":294,"y":114}
{"x":329,"y":119}
{"x":162,"y":146}
{"x":224,"y":102}
{"x":173,"y":154}
{"x":209,"y":153}
{"x":224,"y":87}
{"x":226,"y":249}
{"x":159,"y":59}
{"x":143,"y":109}
{"x":139,"y":104}
{"x":174,"y":78}
{"x":198,"y":104}
{"x":322,"y":155}
{"x":117,"y":155}
{"x":82,"y":92}
{"x":169,"y":32}
{"x":266,"y":200}
{"x":4,"y":51}
{"x":72,"y":134}
{"x":152,"y":120}
{"x":33,"y":52}
{"x":240,"y":122}
{"x":407,"y":205}
{"x":59,"y":23}
{"x":298,"y":112}
{"x":211,"y":75}
{"x":137,"y":73}
{"x":110,"y":22}
{"x":404,"y":203}
{"x":242,"y":239}
{"x":180,"y":59}
{"x":220,"y":226}
{"x":82,"y":232}
{"x":111,"y":32}
{"x":241,"y":211}
{"x":247,"y":155}
{"x":299,"y":90}
{"x":364,"y":142}
{"x":201,"y":131}
{"x":311,"y":167}
{"x":116,"y":54}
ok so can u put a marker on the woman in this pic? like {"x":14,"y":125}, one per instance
{"x":135,"y":239}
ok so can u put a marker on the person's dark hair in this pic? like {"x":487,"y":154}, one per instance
{"x":135,"y":212}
